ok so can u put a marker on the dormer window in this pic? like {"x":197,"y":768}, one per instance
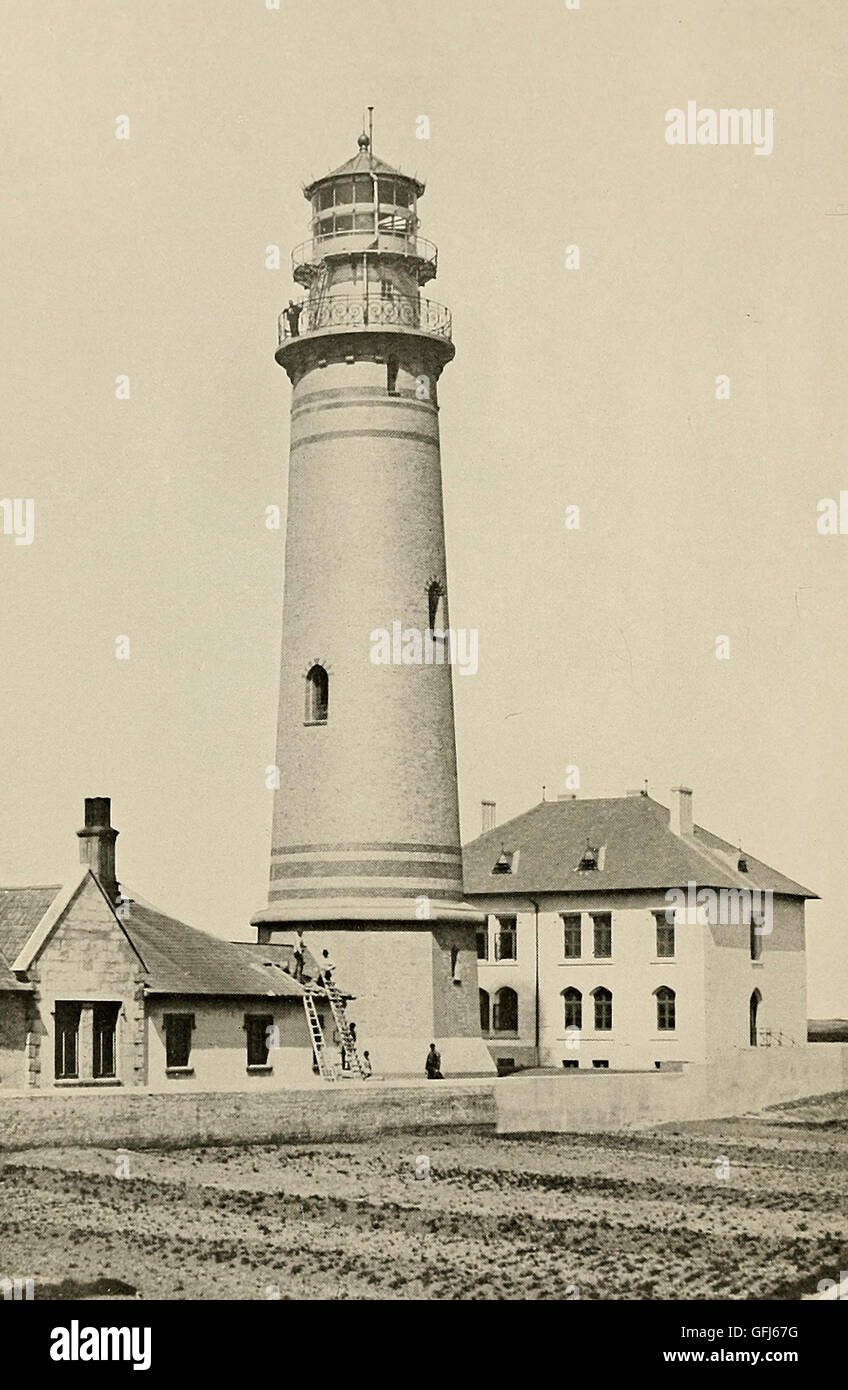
{"x":589,"y":859}
{"x":742,"y":864}
{"x":505,"y":862}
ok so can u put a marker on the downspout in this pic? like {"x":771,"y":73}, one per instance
{"x":536,"y":983}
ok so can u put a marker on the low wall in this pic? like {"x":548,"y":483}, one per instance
{"x":606,"y":1100}
{"x":179,"y":1121}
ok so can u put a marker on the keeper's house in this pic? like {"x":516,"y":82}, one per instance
{"x":100,"y":989}
{"x":621,"y":935}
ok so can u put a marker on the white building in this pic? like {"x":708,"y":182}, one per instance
{"x":622,"y":935}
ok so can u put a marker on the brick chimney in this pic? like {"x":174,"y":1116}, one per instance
{"x":97,"y":843}
{"x":681,"y":815}
{"x":488,"y":809}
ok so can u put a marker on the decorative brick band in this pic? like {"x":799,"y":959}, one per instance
{"x":431,"y":439}
{"x":364,"y":868}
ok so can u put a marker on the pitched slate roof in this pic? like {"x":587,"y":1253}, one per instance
{"x":21,"y":909}
{"x":640,"y":852}
{"x":182,"y":960}
{"x":178,"y":959}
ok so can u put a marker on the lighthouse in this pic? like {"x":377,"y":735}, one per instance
{"x":365,"y":853}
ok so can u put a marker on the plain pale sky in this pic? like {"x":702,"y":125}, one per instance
{"x":593,"y":387}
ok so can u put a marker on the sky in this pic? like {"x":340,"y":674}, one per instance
{"x":592,"y":387}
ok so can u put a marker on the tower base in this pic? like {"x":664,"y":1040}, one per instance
{"x":412,"y":983}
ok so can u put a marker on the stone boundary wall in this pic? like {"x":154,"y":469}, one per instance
{"x":123,"y":1120}
{"x":586,"y":1101}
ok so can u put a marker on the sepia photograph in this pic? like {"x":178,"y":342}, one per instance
{"x":423,"y":578}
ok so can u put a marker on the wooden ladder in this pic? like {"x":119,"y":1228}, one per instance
{"x":319,"y":1047}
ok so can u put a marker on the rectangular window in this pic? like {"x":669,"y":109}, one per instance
{"x":363,"y":189}
{"x":344,"y":192}
{"x":602,"y":924}
{"x":665,"y":934}
{"x":105,"y":1024}
{"x":571,"y":937}
{"x":505,"y":938}
{"x":387,"y":192}
{"x":483,"y":944}
{"x":325,"y":197}
{"x":344,"y":222}
{"x":601,"y":1064}
{"x":568,"y":1063}
{"x":363,"y":222}
{"x":258,"y":1028}
{"x":67,"y":1020}
{"x":178,"y":1030}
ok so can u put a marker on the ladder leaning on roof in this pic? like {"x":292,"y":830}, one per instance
{"x":325,"y":1066}
{"x":337,"y":1005}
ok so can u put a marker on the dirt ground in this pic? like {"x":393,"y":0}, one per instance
{"x":447,"y":1215}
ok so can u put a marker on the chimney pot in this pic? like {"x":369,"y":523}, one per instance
{"x":681,"y":816}
{"x":97,"y":843}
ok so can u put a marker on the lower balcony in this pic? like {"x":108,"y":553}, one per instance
{"x":347,"y":311}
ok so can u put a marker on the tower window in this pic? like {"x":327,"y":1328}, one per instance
{"x":436,"y":607}
{"x":757,"y":923}
{"x":392,"y":366}
{"x":317,"y":695}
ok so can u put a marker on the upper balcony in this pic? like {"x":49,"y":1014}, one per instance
{"x":421,"y":254}
{"x":360,"y":312}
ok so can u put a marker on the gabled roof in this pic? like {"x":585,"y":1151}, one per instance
{"x":364,"y":163}
{"x":173,"y":958}
{"x":640,"y":852}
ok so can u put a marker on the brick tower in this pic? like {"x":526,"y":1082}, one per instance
{"x":365,"y":854}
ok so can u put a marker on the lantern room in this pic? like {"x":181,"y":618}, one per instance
{"x":364,"y":228}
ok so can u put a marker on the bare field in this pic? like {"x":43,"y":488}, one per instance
{"x":613,"y":1216}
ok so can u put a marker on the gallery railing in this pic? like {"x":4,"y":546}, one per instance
{"x":361,"y":311}
{"x":310,"y":253}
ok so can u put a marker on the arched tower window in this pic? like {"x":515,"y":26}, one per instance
{"x":317,"y":695}
{"x":666,"y":1005}
{"x":753,"y":1010}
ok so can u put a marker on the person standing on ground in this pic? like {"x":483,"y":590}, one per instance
{"x":433,"y":1065}
{"x":366,"y":1065}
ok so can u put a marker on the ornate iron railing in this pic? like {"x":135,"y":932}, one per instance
{"x":309,"y":254}
{"x":358,"y":311}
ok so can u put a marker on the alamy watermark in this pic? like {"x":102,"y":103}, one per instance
{"x":694,"y":906}
{"x":431,"y":647}
{"x":19,"y":519}
{"x":726,"y":126}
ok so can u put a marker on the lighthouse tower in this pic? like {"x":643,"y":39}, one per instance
{"x":365,"y":855}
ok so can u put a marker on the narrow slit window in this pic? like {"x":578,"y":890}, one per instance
{"x":436,"y":607}
{"x":317,"y":695}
